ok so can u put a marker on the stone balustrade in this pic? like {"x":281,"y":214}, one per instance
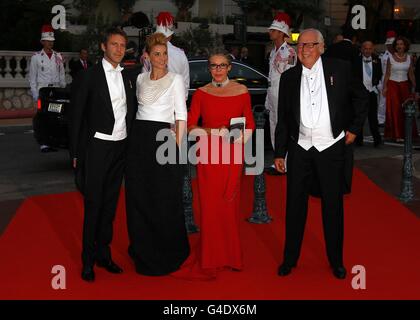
{"x":14,"y":68}
{"x":15,"y":96}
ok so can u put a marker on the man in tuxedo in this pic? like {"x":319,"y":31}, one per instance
{"x":103,"y":108}
{"x":315,"y":122}
{"x":82,"y":63}
{"x":371,"y":75}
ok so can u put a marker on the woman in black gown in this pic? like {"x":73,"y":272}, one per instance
{"x":155,"y":217}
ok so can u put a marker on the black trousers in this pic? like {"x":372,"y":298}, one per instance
{"x":104,"y":168}
{"x":302,"y":165}
{"x":372,"y":119}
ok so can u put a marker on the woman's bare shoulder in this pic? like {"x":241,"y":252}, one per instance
{"x":205,"y":88}
{"x":239,"y":88}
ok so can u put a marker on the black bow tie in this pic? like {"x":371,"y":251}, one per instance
{"x":367,"y":60}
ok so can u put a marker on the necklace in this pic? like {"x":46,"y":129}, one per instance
{"x":400,"y":58}
{"x":220,"y":84}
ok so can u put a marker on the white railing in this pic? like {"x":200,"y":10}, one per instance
{"x":18,"y":75}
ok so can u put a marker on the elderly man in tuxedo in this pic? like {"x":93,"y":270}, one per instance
{"x":322,"y":113}
{"x":370,"y":75}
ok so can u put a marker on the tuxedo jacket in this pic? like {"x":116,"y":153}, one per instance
{"x":346,"y":100}
{"x":91,"y":108}
{"x":376,"y":69}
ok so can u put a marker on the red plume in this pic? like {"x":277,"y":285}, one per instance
{"x":391,"y":34}
{"x":47,"y":28}
{"x":165,"y":18}
{"x":281,"y":16}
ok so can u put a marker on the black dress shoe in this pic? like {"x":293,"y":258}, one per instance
{"x":88,"y":274}
{"x":340,"y":272}
{"x":285,"y":270}
{"x":109,"y":266}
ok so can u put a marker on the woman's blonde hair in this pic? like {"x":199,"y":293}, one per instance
{"x":155,"y":39}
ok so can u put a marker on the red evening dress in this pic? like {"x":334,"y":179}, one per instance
{"x":398,"y":91}
{"x":218,"y":182}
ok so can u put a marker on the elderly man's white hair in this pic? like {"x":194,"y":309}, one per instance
{"x":320,"y":37}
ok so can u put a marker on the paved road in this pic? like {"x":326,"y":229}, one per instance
{"x":25,"y":171}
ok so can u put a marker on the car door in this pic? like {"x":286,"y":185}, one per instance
{"x":255,"y":81}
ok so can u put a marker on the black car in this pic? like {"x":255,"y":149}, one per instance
{"x":256,"y":82}
{"x":51,"y":120}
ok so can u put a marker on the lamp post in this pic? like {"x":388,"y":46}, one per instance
{"x":260,"y":213}
{"x":407,"y":190}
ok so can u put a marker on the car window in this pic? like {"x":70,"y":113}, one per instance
{"x":247,"y":76}
{"x":199,"y":74}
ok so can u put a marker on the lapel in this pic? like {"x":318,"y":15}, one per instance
{"x":375,"y":71}
{"x":128,"y":87}
{"x":330,"y":84}
{"x":295,"y":92}
{"x":104,"y":89}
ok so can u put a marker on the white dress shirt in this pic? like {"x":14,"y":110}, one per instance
{"x":118,"y":99}
{"x":315,"y":124}
{"x":367,"y":79}
{"x":161,"y":100}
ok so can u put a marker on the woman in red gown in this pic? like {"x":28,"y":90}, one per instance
{"x":397,"y":89}
{"x":218,"y":173}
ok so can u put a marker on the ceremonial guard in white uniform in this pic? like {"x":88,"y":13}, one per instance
{"x":47,"y":66}
{"x":390,"y":37}
{"x":46,"y":69}
{"x":177,"y":60}
{"x":282,"y":58}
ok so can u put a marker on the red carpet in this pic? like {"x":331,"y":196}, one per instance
{"x":380,"y":234}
